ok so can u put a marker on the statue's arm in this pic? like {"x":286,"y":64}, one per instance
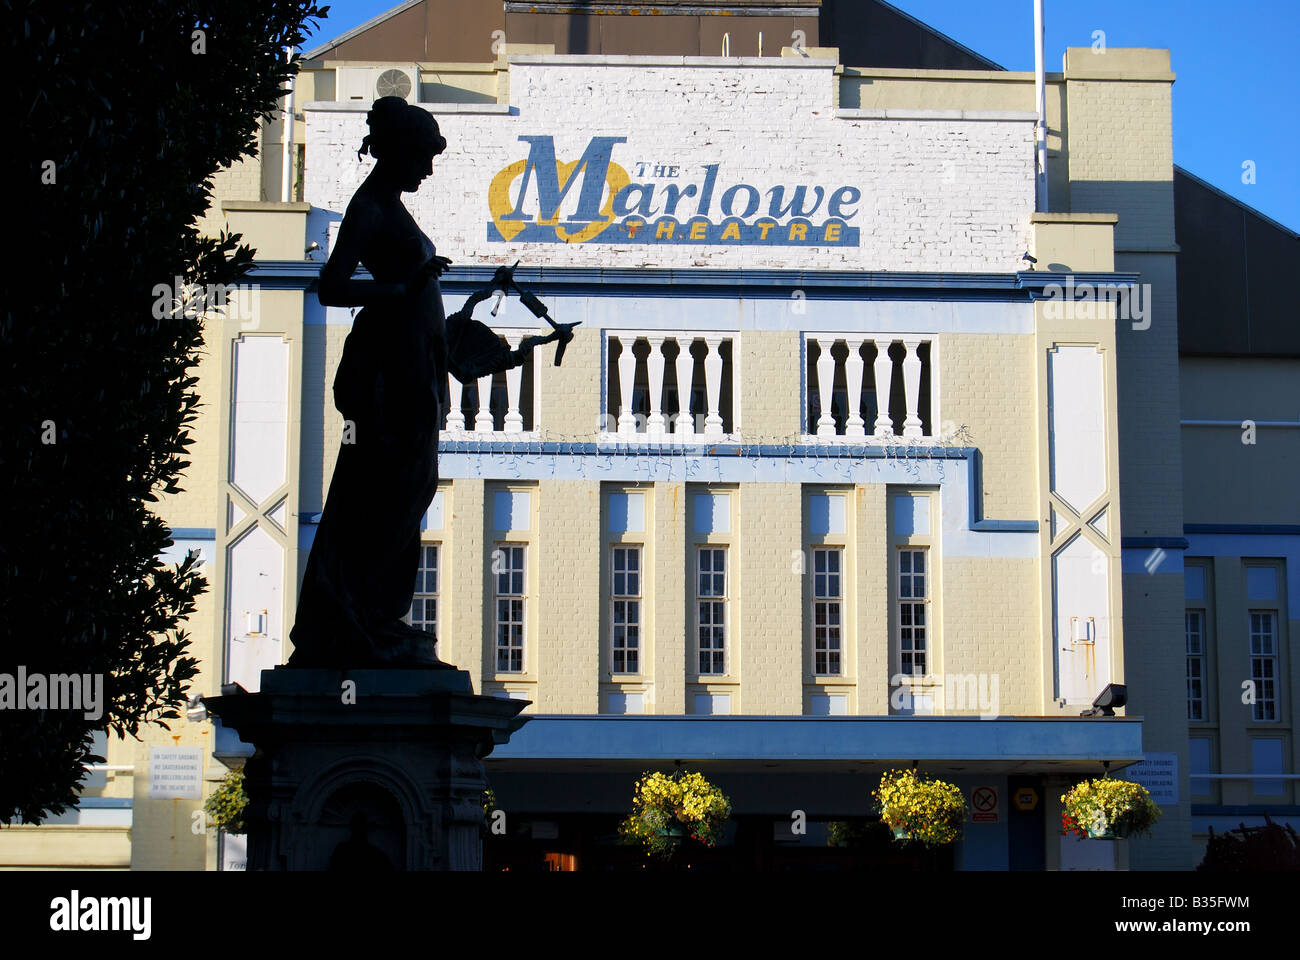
{"x":474,"y":350}
{"x":337,"y":288}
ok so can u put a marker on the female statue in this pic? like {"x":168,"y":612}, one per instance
{"x":392,"y":385}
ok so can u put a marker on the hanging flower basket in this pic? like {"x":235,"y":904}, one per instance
{"x":225,"y":807}
{"x":1108,"y":809}
{"x":919,"y":808}
{"x":489,"y":813}
{"x":1116,"y":832}
{"x":669,"y":808}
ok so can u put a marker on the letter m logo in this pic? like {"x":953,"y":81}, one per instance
{"x":553,"y":185}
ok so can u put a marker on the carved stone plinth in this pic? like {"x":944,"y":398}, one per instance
{"x":366,"y":769}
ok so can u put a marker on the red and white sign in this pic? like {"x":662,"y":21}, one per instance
{"x":984,"y":804}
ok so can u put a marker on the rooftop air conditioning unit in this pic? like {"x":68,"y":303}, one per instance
{"x":368,"y":84}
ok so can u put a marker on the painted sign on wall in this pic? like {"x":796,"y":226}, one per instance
{"x":645,"y":164}
{"x":666,"y":203}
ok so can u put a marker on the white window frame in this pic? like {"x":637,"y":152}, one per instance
{"x":422,"y":593}
{"x":631,"y":626}
{"x":828,"y":601}
{"x":1266,"y":687}
{"x":718,"y":601}
{"x":1198,"y":657}
{"x":507,"y":568}
{"x":913,"y":603}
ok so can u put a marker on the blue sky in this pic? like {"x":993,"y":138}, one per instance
{"x":1237,"y":96}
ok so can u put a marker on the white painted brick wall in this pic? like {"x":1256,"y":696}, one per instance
{"x":937,"y":194}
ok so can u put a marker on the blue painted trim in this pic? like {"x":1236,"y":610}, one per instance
{"x":312,"y":518}
{"x":194,"y":533}
{"x":104,"y":803}
{"x":852,"y":451}
{"x":1259,"y":529}
{"x":1244,"y":810}
{"x":669,"y":738}
{"x":712,"y":282}
{"x":974,"y":488}
{"x":1167,"y":543}
{"x":748,"y":450}
{"x":289,"y":274}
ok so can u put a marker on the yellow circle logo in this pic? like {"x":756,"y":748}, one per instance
{"x":499,"y":203}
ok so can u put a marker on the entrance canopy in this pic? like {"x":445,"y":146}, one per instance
{"x":952,"y":744}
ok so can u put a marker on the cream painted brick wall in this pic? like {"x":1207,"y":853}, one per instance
{"x":566,"y":650}
{"x":872,"y":587}
{"x":1154,"y":669}
{"x":468,"y":599}
{"x":240,"y":181}
{"x":202,"y":627}
{"x":769,"y":380}
{"x":673,"y":640}
{"x":570,"y":403}
{"x":322,"y":424}
{"x":198,"y":505}
{"x":770,"y":621}
{"x":987,"y":384}
{"x":1150,"y":449}
{"x":991,"y":625}
{"x":1121,"y":157}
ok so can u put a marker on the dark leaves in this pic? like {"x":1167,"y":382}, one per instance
{"x":136,"y":125}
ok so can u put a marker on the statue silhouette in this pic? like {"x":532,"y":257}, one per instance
{"x":392,"y":385}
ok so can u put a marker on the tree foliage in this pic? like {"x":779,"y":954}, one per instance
{"x":124,"y":112}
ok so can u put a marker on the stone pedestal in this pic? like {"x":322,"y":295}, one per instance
{"x":366,"y":769}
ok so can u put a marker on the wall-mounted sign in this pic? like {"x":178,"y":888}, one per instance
{"x":984,"y":805}
{"x":1159,"y":774}
{"x":1025,"y":799}
{"x":666,"y":203}
{"x":176,"y":772}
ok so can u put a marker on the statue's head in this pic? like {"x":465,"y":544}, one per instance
{"x":403,"y":139}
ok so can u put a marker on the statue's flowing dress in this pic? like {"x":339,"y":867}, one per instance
{"x":392,"y":386}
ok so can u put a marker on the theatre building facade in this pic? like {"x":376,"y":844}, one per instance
{"x":827,"y":482}
{"x":859,"y":460}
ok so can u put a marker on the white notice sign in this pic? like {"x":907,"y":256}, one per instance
{"x":176,"y":772}
{"x":1159,"y":774}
